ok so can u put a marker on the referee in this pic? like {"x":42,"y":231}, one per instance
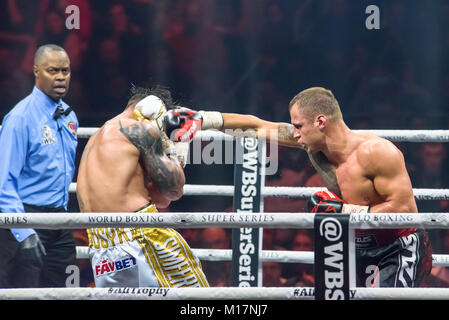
{"x":37,"y":164}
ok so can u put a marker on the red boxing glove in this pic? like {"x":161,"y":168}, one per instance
{"x":325,"y":202}
{"x":182,"y":124}
{"x":329,"y":202}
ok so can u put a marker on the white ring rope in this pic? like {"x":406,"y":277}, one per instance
{"x":206,"y":135}
{"x":282,"y":256}
{"x":293,"y":220}
{"x":440,"y":260}
{"x":392,"y":135}
{"x":307,"y":192}
{"x":217,"y":293}
{"x":411,"y":135}
{"x":82,"y":252}
{"x":290,"y":192}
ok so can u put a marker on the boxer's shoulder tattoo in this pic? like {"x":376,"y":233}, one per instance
{"x":154,"y":163}
{"x":142,"y":138}
{"x":285,"y":132}
{"x":326,"y":171}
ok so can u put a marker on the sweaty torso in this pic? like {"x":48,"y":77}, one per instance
{"x":110,"y":178}
{"x":354,"y":182}
{"x":349,"y":179}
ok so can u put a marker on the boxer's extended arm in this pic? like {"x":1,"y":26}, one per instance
{"x":161,"y":170}
{"x":262,"y":128}
{"x":389,"y":175}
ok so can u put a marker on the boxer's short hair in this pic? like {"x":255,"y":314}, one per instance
{"x":138,"y":93}
{"x":315,"y":101}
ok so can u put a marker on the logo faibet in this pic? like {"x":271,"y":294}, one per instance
{"x":106,"y":266}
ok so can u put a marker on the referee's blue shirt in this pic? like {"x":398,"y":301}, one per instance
{"x":37,"y":156}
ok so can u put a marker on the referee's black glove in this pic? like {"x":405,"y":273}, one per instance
{"x":32,"y":250}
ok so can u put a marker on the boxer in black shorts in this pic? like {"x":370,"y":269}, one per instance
{"x":404,"y":262}
{"x":363,"y":173}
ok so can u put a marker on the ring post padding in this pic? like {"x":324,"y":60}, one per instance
{"x":248,"y":181}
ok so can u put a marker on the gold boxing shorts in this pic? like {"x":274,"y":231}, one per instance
{"x":143,"y":257}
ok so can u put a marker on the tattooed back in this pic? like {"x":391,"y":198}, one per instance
{"x":118,"y":164}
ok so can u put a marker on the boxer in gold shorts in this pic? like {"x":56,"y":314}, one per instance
{"x":125,"y":167}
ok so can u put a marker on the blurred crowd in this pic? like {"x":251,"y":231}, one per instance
{"x":250,"y":56}
{"x":239,"y":55}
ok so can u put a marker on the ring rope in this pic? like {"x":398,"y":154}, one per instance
{"x":283,"y":256}
{"x":392,"y":135}
{"x":82,"y":252}
{"x":290,"y":192}
{"x":307,"y":192}
{"x":411,"y":135}
{"x":290,"y":220}
{"x":216,"y":293}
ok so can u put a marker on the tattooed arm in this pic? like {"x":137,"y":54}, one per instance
{"x":271,"y":130}
{"x":326,"y":172}
{"x":160,"y":171}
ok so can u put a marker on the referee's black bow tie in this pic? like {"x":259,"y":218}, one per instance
{"x":60,"y":111}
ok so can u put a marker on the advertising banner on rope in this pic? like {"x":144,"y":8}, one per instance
{"x":331,"y":256}
{"x":245,"y":241}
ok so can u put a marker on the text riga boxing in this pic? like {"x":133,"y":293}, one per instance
{"x":382,"y":217}
{"x":332,"y":231}
{"x":105,"y":266}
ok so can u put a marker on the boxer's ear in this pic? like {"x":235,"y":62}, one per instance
{"x":321,"y":121}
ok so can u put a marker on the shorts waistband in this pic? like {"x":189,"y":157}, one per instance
{"x":110,"y":237}
{"x":149,"y":207}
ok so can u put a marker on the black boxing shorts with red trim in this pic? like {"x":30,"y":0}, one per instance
{"x":143,"y":257}
{"x":406,"y":262}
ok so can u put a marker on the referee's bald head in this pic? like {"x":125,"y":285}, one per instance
{"x":42,"y":51}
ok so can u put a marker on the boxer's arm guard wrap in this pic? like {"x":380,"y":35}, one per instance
{"x":182,"y":152}
{"x":178,"y":150}
{"x":211,"y":120}
{"x":353,"y":208}
{"x":327,"y":202}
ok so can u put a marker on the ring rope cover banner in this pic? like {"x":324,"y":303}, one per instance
{"x":247,"y":193}
{"x":331,"y":256}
